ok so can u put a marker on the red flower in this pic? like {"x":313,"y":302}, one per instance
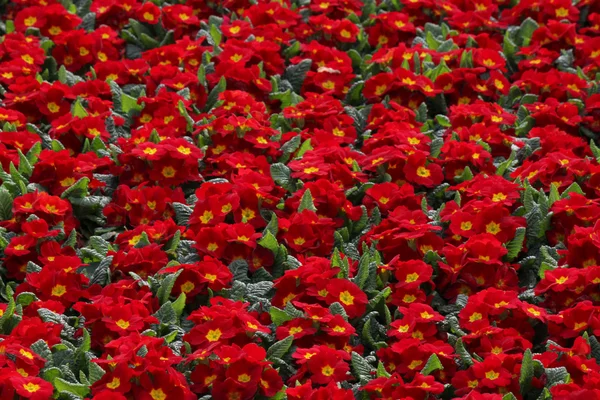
{"x":419,"y":172}
{"x":348,"y":295}
{"x":149,"y":13}
{"x":52,"y":205}
{"x":491,"y":373}
{"x":411,"y":274}
{"x":327,"y":366}
{"x":32,"y":387}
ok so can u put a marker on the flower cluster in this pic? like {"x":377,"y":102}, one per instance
{"x":327,"y":199}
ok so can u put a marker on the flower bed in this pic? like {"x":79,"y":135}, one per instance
{"x":328,"y":199}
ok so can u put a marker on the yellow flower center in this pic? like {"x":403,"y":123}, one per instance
{"x":158,"y":394}
{"x":31,"y":387}
{"x":492,"y":375}
{"x":168,"y":172}
{"x":59,"y":290}
{"x":206,"y":217}
{"x":213,"y":335}
{"x":423,"y":172}
{"x":122,"y":324}
{"x":187,"y":287}
{"x":327,"y":370}
{"x":346,"y":298}
{"x":475,"y":317}
{"x":115,"y":383}
{"x":53,"y":107}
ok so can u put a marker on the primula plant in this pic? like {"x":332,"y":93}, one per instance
{"x":299,"y":199}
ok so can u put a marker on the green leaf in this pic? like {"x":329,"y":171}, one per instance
{"x":96,"y":372}
{"x":306,"y":203}
{"x":78,"y":110}
{"x":25,"y":167}
{"x":202,"y":75}
{"x":381,"y":371}
{"x":433,"y":364}
{"x":281,"y":175}
{"x":166,"y":286}
{"x":184,"y":113}
{"x":101,"y":274}
{"x":213,"y":97}
{"x":443,"y":121}
{"x":41,"y":349}
{"x":440,"y":69}
{"x":379,"y":297}
{"x":295,"y":74}
{"x":88,"y":21}
{"x":179,"y":304}
{"x":306,"y":146}
{"x":555,"y":376}
{"x":10,"y":309}
{"x":85,"y":346}
{"x":3,"y":242}
{"x":166,"y":314}
{"x":239,"y":269}
{"x":515,"y":246}
{"x":464,"y":355}
{"x":337,"y":309}
{"x":528,"y":199}
{"x":526,"y":372}
{"x":354,"y":95}
{"x":595,"y":345}
{"x":363,"y":270}
{"x":546,"y":395}
{"x":595,"y":150}
{"x":86,"y":343}
{"x":467,"y":175}
{"x":268,"y":241}
{"x":129,"y":103}
{"x":6,"y":202}
{"x":170,"y":337}
{"x":57,"y":146}
{"x":292,"y":50}
{"x":99,"y":244}
{"x":17,"y":177}
{"x":182,"y":213}
{"x":34,"y":153}
{"x":362,"y":369}
{"x":528,"y":98}
{"x":148,"y":42}
{"x":367,"y":335}
{"x":78,"y":190}
{"x":278,"y":316}
{"x":554,"y":195}
{"x":466,"y":59}
{"x":26,"y":298}
{"x":526,"y":31}
{"x":289,"y":147}
{"x":272,"y":226}
{"x":422,"y":113}
{"x":431,"y":41}
{"x":51,"y":373}
{"x":574,"y":187}
{"x":510,"y":49}
{"x":215,"y":32}
{"x":280,"y":348}
{"x":62,"y":385}
{"x":506,"y":164}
